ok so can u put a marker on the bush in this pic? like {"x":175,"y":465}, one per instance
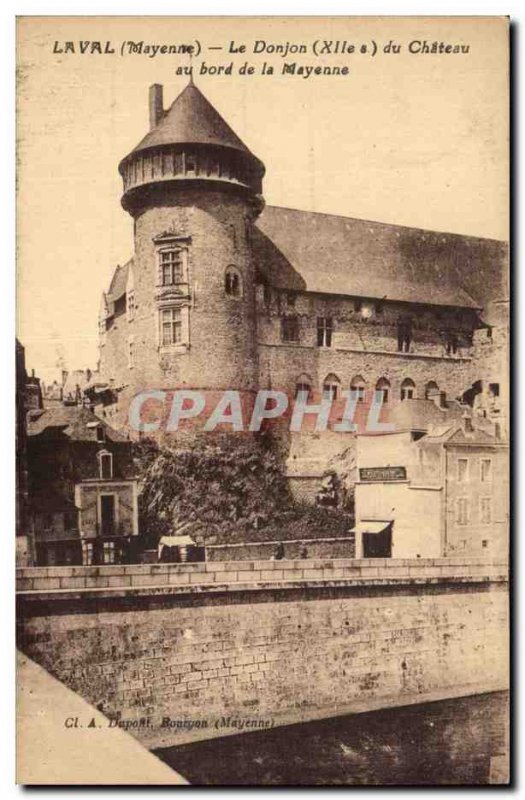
{"x":212,"y":487}
{"x":226,"y":489}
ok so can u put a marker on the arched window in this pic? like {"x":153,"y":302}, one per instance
{"x":408,"y":389}
{"x":383,"y":386}
{"x":303,"y":384}
{"x":431,"y":390}
{"x":331,"y":386}
{"x":357,"y":384}
{"x":233,"y":282}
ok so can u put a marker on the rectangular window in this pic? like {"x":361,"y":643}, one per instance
{"x":108,"y":552}
{"x":462,"y":511}
{"x":486,"y":510}
{"x":290,"y":329}
{"x":171,"y":267}
{"x":486,"y":470}
{"x":87,"y":554}
{"x":171,"y":326}
{"x":101,"y":434}
{"x":462,"y":470}
{"x":324,"y":331}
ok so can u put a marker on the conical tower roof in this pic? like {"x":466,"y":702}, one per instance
{"x":191,"y":119}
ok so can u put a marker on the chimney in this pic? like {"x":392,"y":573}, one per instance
{"x":156,"y":108}
{"x":468,"y":424}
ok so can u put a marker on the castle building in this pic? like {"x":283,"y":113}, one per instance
{"x":223,"y":292}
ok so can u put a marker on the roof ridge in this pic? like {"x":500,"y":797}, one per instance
{"x":382,"y":222}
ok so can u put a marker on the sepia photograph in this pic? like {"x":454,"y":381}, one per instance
{"x":262,"y":401}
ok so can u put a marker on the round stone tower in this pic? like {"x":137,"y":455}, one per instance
{"x":194,"y":191}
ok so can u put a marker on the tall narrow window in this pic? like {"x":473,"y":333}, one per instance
{"x":462,"y":511}
{"x":383,"y":386}
{"x":404,"y":335}
{"x":101,"y":434}
{"x":290,"y":329}
{"x":486,"y":510}
{"x":303,"y":386}
{"x":87,"y":553}
{"x":131,"y":354}
{"x":452,"y":344}
{"x":232,"y":282}
{"x":325,"y":329}
{"x":105,"y":461}
{"x":462,"y":470}
{"x":171,"y":326}
{"x":408,"y":389}
{"x":486,"y":470}
{"x":171,"y":267}
{"x":131,"y":305}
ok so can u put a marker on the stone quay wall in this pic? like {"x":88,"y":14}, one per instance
{"x":180,"y":652}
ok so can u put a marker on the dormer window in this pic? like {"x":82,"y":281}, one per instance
{"x":232,"y":282}
{"x":171,"y":267}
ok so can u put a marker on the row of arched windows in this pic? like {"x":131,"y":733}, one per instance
{"x":332,"y":387}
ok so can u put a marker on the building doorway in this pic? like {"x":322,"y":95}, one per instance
{"x":108,"y":521}
{"x":378,"y":545}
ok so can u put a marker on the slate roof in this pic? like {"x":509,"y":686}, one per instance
{"x":191,"y":119}
{"x":456,"y":434}
{"x":308,"y":251}
{"x":72,"y":421}
{"x":117,"y":287}
{"x":323,"y":253}
{"x":419,"y":414}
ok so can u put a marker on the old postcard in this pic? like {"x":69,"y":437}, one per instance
{"x":263,"y":401}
